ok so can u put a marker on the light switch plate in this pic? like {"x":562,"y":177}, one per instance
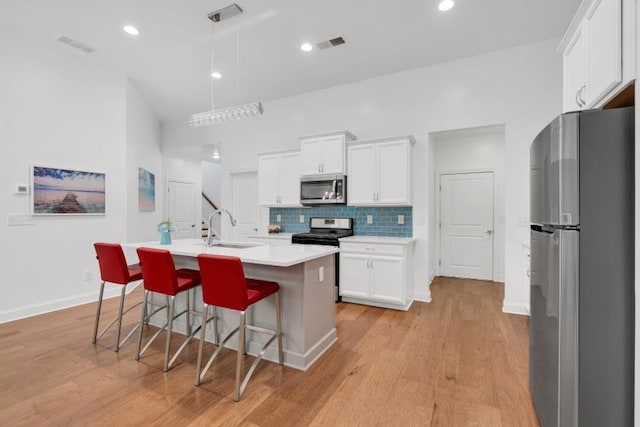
{"x":401,"y":219}
{"x":278,"y":218}
{"x":321,"y":274}
{"x":302,"y":219}
{"x":369,"y":219}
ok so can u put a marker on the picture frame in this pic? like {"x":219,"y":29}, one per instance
{"x":58,"y":191}
{"x":146,"y":191}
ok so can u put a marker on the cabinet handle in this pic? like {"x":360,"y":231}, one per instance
{"x":368,"y":262}
{"x":371,"y":263}
{"x":578,"y":97}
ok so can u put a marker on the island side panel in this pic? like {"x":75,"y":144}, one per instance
{"x":319,"y":304}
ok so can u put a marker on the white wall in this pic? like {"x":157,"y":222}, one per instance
{"x":467,"y":150}
{"x":58,"y":108}
{"x":143,"y":150}
{"x":519,"y":87}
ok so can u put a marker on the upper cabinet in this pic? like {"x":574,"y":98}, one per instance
{"x":598,"y":53}
{"x":324,"y":153}
{"x":380,"y":172}
{"x":279,"y":179}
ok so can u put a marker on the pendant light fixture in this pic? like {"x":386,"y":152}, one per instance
{"x":230,"y":113}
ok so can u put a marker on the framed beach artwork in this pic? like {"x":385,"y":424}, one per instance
{"x":67,"y":192}
{"x":146,"y":191}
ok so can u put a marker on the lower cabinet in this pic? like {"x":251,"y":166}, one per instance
{"x":377,"y":274}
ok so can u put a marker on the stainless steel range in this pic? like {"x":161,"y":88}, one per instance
{"x":326,"y":231}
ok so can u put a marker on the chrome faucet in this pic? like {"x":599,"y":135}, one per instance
{"x":210,"y":234}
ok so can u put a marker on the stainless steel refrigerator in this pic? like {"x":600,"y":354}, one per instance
{"x":581,"y":330}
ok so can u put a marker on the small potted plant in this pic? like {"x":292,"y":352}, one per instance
{"x":165,"y":228}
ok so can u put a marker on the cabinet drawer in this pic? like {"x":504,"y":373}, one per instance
{"x":372,"y":249}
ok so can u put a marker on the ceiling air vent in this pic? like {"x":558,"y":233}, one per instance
{"x":75,"y":44}
{"x":330,"y":43}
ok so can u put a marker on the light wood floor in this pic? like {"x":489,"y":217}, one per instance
{"x":458,"y":361}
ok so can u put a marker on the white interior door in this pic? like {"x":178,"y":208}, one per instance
{"x":181,"y":208}
{"x":466,"y":225}
{"x":245,"y":206}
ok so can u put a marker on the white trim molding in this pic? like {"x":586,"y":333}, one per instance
{"x":515,"y":308}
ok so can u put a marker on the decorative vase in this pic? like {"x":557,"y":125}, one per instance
{"x":165,"y":238}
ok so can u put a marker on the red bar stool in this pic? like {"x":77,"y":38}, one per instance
{"x":160,"y":276}
{"x":224,"y":285}
{"x":114,"y":269}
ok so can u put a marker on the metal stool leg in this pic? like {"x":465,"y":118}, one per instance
{"x":279,"y":326}
{"x":240,"y":357}
{"x":172,"y":302}
{"x":143,"y":315}
{"x":95,"y":328}
{"x":201,"y":345}
{"x":124,"y":288}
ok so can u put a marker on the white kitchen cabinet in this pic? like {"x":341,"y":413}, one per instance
{"x":575,"y":72}
{"x":380,"y":172}
{"x":279,"y":179}
{"x":598,"y":53}
{"x":324,"y":153}
{"x":377,"y":271}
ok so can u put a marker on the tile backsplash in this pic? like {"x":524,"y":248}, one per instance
{"x":385,"y":220}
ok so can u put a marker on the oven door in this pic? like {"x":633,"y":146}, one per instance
{"x":322,"y":189}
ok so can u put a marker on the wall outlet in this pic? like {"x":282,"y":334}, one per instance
{"x":278,"y":218}
{"x":369,"y":219}
{"x":401,"y":219}
{"x":88,"y":276}
{"x":302,"y":219}
{"x":17,"y":219}
{"x":523,"y":221}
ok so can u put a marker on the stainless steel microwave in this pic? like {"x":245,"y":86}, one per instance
{"x":323,"y":189}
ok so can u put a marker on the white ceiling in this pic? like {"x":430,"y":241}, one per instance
{"x":171,"y":59}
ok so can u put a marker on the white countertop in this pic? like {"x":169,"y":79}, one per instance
{"x":379,"y":239}
{"x":283,"y":236}
{"x":279,"y":256}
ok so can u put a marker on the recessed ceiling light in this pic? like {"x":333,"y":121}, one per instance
{"x":445,"y":5}
{"x":306,"y":47}
{"x":131,"y":30}
{"x":216,"y":75}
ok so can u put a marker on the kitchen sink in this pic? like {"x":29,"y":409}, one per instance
{"x":234,"y":245}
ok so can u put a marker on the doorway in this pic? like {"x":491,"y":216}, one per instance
{"x":244,"y":204}
{"x":466,"y":225}
{"x":467,"y":217}
{"x":181,"y":208}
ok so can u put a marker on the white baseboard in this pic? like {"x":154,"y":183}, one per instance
{"x":513,"y":308}
{"x":30,"y":310}
{"x":423,"y":296}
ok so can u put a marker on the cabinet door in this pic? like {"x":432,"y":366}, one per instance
{"x":394,"y":169}
{"x":354,"y":275}
{"x":290,"y":179}
{"x":604,"y":21}
{"x":312,"y":152}
{"x":387,"y":279}
{"x":334,"y":155}
{"x":575,"y":65}
{"x":361,"y":182}
{"x":268,"y":180}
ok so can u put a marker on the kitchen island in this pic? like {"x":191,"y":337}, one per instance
{"x":306,"y":276}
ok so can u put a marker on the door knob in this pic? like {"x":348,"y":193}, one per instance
{"x":489,"y":232}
